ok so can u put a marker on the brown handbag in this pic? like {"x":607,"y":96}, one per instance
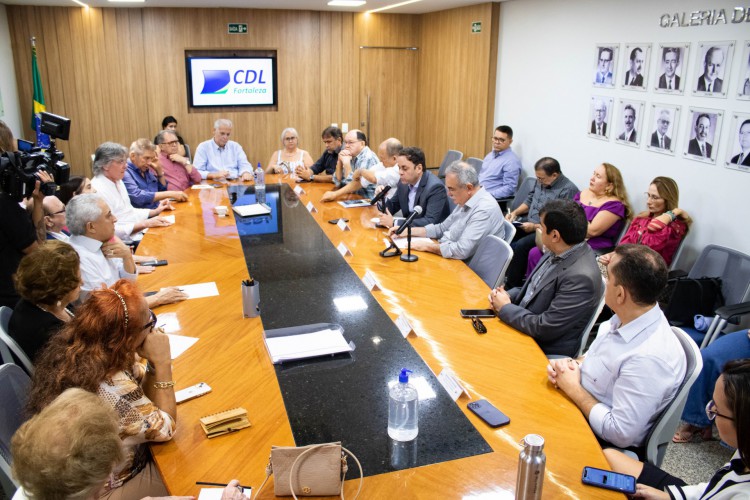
{"x":314,"y":470}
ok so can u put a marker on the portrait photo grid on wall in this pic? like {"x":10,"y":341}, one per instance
{"x":702,"y":134}
{"x":671,"y":66}
{"x":605,"y":64}
{"x":636,"y":59}
{"x":663,"y":125}
{"x":738,"y":152}
{"x":629,"y":119}
{"x":743,"y":83}
{"x":600,"y":109}
{"x":711,"y":69}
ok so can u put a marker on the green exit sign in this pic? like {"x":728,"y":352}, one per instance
{"x":236,"y":28}
{"x":476,"y":27}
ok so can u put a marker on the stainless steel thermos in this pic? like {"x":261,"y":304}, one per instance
{"x":531,"y":464}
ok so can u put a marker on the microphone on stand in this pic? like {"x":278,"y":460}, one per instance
{"x":407,"y":225}
{"x":417,"y":211}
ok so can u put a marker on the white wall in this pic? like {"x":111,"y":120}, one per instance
{"x":8,"y":87}
{"x":545,"y":65}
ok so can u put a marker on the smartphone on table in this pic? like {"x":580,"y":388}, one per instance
{"x":479,"y":313}
{"x":608,"y":479}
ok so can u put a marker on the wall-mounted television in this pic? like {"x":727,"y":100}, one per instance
{"x":221,"y":78}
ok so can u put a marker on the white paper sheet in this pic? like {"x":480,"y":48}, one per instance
{"x":168,"y":218}
{"x":179,"y":344}
{"x":401,"y":242}
{"x":306,"y":345}
{"x":200,"y":290}
{"x":254,"y":209}
{"x":202,"y":186}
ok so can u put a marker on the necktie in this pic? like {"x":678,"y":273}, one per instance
{"x":669,"y":84}
{"x":703,"y":150}
{"x":661,"y":142}
{"x":708,"y":89}
{"x":599,"y":130}
{"x":742,"y":157}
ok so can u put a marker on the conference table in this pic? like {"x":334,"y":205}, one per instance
{"x":503,"y":366}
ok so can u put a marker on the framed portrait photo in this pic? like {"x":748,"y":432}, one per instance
{"x":671,"y":66}
{"x":635,"y":63}
{"x":628,"y":126}
{"x":600,"y":110}
{"x":743,"y":85}
{"x":711,"y":69}
{"x":738,"y":152}
{"x":604,"y":65}
{"x":663,"y":125}
{"x":702,"y":134}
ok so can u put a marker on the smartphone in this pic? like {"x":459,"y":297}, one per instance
{"x":491,"y":415}
{"x":154,"y":263}
{"x":608,"y":479}
{"x":479,"y":313}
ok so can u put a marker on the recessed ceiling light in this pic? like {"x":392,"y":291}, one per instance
{"x":346,"y":3}
{"x":392,"y":6}
{"x":81,"y":4}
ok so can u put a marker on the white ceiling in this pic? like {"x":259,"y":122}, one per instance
{"x":420,"y":7}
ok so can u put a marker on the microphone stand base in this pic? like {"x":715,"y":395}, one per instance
{"x":409,"y":258}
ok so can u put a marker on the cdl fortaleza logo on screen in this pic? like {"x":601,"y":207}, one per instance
{"x":216,"y":81}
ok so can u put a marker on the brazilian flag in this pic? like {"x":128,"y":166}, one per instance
{"x":42,"y":140}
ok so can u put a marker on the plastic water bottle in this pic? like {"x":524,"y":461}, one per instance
{"x":531,"y":463}
{"x":402,"y":409}
{"x":260,"y":185}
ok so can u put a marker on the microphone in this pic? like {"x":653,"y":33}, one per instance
{"x":380,"y":195}
{"x":417,"y":211}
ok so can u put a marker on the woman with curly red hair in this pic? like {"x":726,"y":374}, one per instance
{"x":96,"y":351}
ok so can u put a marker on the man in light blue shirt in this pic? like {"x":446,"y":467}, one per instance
{"x":636,"y":364}
{"x":476,"y":215}
{"x":501,"y":167}
{"x":219,"y":157}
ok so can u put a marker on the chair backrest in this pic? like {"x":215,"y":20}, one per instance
{"x":475,"y":162}
{"x":491,"y":259}
{"x":510,"y":230}
{"x":8,"y":344}
{"x":592,"y":321}
{"x":677,"y":253}
{"x":187,"y":152}
{"x":14,"y":386}
{"x":732,"y":266}
{"x":451,"y":156}
{"x":666,"y":425}
{"x":523,"y":192}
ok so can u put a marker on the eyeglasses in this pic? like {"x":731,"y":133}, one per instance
{"x":290,"y":138}
{"x":499,"y":139}
{"x":151,"y":324}
{"x":172,"y":143}
{"x":711,"y":412}
{"x":56,"y":213}
{"x":653,"y":197}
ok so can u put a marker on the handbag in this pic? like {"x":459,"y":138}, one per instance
{"x":314,"y":470}
{"x":685,"y":297}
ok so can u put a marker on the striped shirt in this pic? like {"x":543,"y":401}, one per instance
{"x":731,"y":481}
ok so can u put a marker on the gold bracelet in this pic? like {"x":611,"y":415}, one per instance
{"x":164,"y":385}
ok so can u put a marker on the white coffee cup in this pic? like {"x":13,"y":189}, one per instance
{"x":220,"y":210}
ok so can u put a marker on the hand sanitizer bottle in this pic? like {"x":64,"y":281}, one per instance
{"x":402,"y":409}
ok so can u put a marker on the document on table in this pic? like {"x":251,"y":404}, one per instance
{"x":306,"y":345}
{"x":199,"y":290}
{"x":215,"y":493}
{"x":401,"y":242}
{"x":202,"y":186}
{"x":179,"y":344}
{"x":249,"y":210}
{"x":354,"y":203}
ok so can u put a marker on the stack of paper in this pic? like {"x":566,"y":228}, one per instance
{"x":306,"y":345}
{"x":249,"y":210}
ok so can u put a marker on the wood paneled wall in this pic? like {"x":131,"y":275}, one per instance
{"x":457,"y":81}
{"x":117,"y":72}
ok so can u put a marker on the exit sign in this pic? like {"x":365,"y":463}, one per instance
{"x":236,"y":28}
{"x":476,"y":27}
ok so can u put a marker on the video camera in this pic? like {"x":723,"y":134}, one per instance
{"x":18,"y":170}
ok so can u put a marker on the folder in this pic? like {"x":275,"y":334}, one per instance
{"x":305,"y":341}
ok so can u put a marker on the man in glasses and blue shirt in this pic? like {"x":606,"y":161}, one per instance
{"x":501,"y":167}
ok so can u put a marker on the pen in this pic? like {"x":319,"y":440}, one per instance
{"x":204,"y":483}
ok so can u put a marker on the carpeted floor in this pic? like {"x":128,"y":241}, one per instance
{"x":696,"y":462}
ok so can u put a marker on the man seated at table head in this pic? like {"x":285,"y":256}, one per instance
{"x":501,"y":167}
{"x":109,"y":170}
{"x":220,"y":158}
{"x":178,"y":171}
{"x":54,"y":219}
{"x":356,"y":155}
{"x":104,"y":257}
{"x":636,"y":364}
{"x":144,"y":178}
{"x":476,"y":216}
{"x":417,"y":187}
{"x":323,"y":169}
{"x":384,"y":173}
{"x":551,"y":185}
{"x":559,"y":297}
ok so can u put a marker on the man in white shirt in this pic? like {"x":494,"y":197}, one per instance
{"x":636,"y":364}
{"x":220,"y":158}
{"x":384,"y":173}
{"x":109,"y":169}
{"x":104,"y":258}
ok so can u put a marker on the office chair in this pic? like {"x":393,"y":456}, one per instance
{"x":491,"y":259}
{"x":451,"y":156}
{"x":8,"y":347}
{"x":14,"y":385}
{"x":476,"y":163}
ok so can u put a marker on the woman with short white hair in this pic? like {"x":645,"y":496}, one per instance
{"x":289,"y":157}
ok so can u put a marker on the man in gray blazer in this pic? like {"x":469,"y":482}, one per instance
{"x":558,"y":299}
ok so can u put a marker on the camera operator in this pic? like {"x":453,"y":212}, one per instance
{"x":18,"y":236}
